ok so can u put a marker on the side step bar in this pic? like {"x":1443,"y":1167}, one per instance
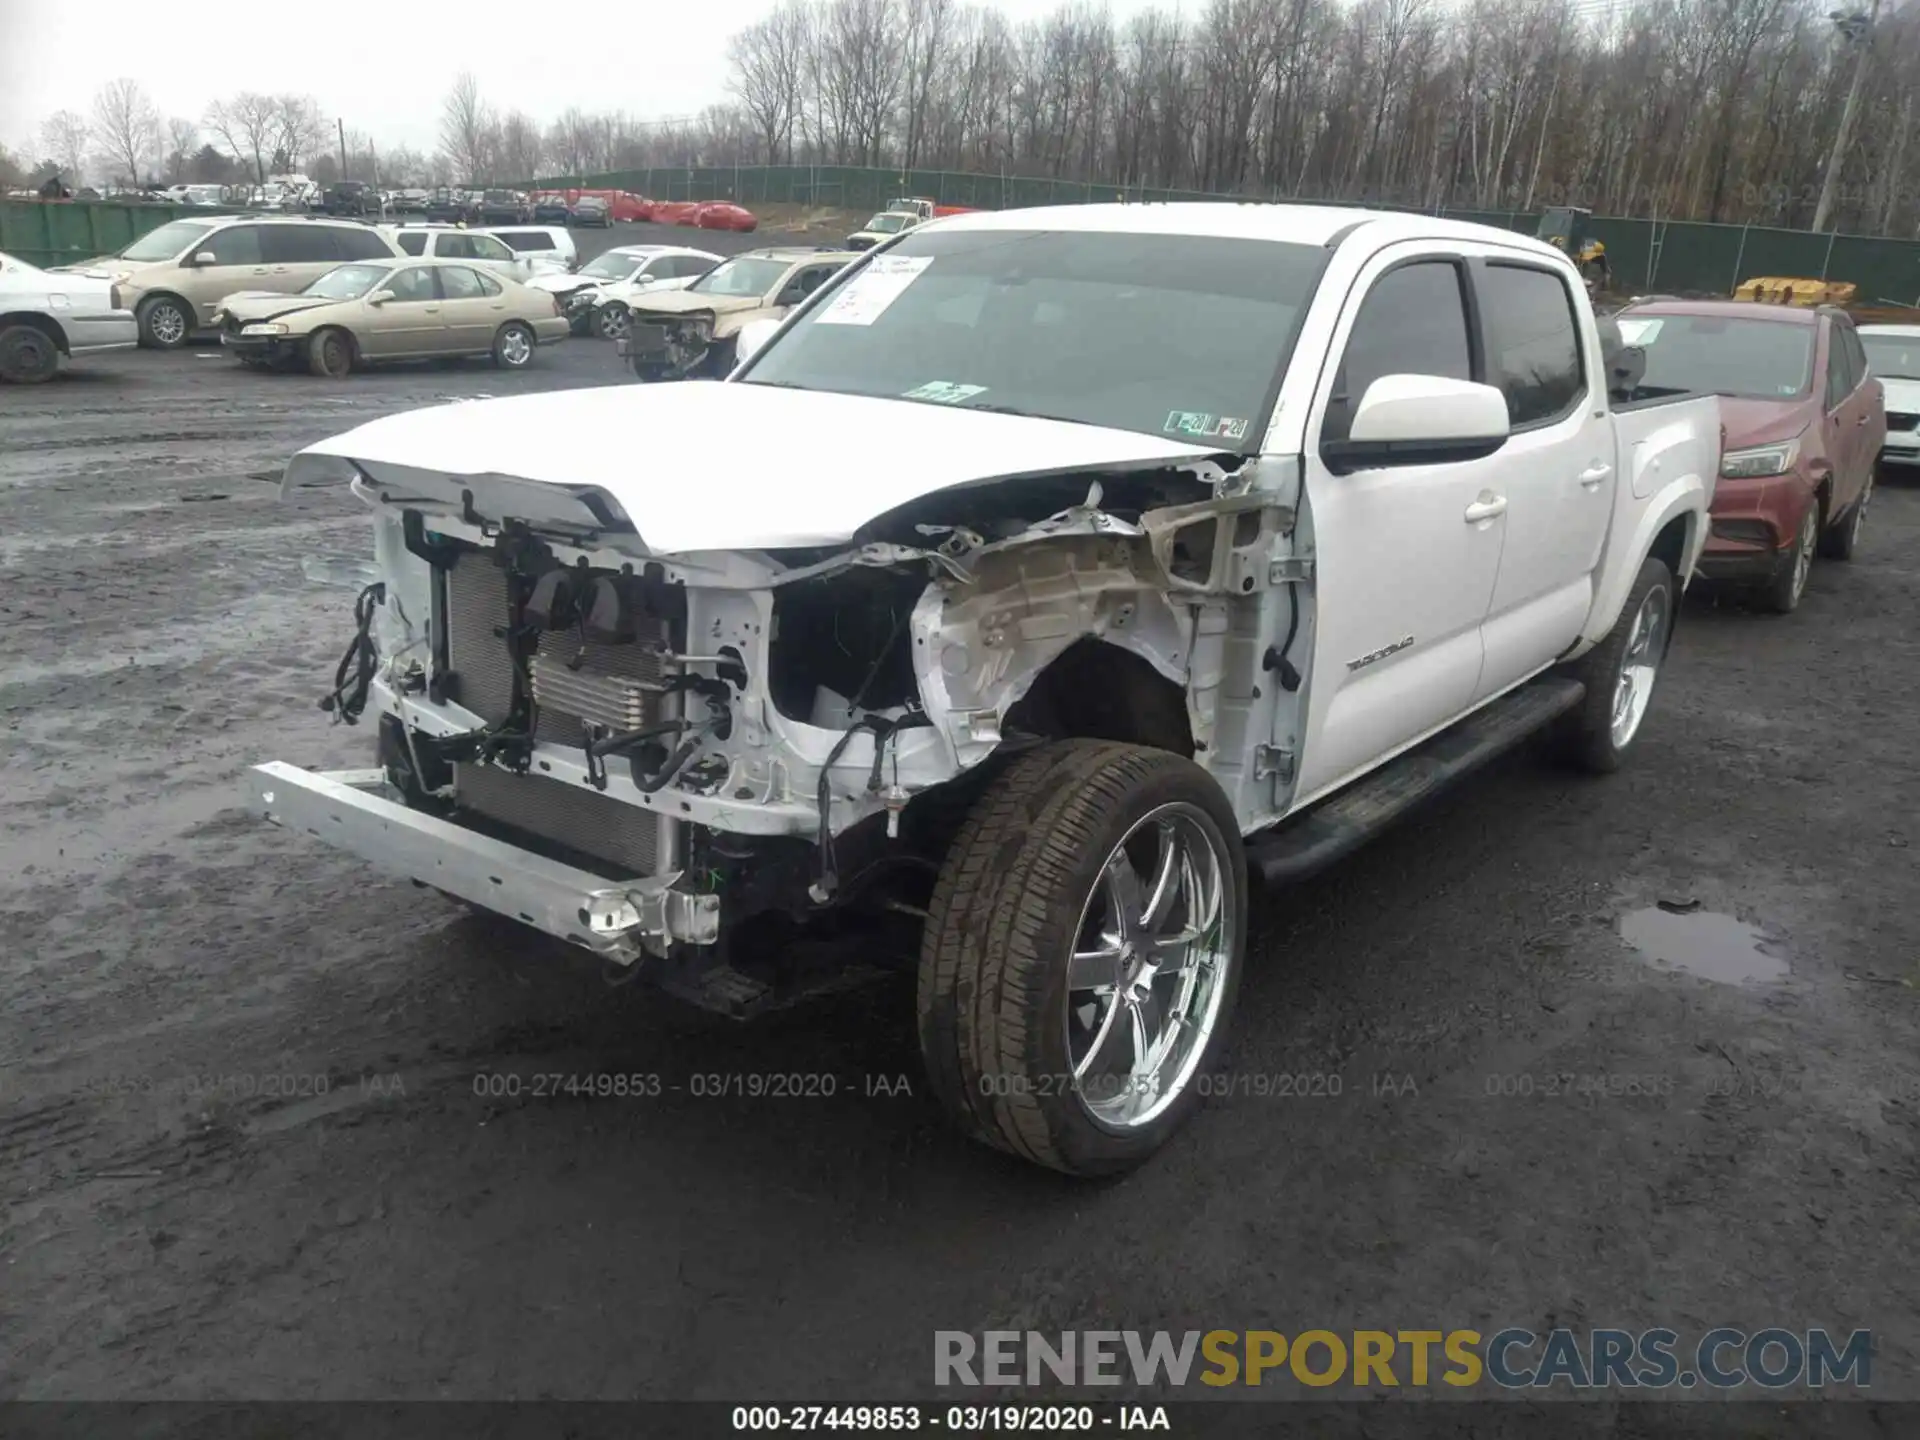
{"x":1340,"y":824}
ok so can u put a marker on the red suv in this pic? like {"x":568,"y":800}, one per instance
{"x":1804,"y":425}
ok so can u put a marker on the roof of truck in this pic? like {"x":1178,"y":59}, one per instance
{"x":1250,"y":220}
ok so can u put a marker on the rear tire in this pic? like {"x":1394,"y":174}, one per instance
{"x":513,"y":346}
{"x":1620,"y":674}
{"x":330,"y":354}
{"x":1837,"y":542}
{"x":166,"y":323}
{"x":28,"y":355}
{"x":1032,"y":990}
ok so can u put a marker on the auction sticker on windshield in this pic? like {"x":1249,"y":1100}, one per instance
{"x":867,"y":296}
{"x":944,"y":392}
{"x":1203,"y":426}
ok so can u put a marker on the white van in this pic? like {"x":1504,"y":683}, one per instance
{"x":454,"y":242}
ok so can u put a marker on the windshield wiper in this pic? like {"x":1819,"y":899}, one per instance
{"x":993,"y":409}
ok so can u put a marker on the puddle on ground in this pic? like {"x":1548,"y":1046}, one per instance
{"x":1714,"y":947}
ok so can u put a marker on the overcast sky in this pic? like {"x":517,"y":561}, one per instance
{"x":384,"y":70}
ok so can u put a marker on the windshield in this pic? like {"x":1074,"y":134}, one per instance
{"x":1892,"y":357}
{"x":612,"y":266}
{"x":886,"y":224}
{"x":1179,"y":335}
{"x":166,"y":242}
{"x":1720,"y":355}
{"x":741,"y":277}
{"x":347,"y":282}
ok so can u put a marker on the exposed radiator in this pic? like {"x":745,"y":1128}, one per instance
{"x":606,"y":687}
{"x":625,"y":836}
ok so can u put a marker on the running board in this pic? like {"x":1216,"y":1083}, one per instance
{"x":1340,"y":824}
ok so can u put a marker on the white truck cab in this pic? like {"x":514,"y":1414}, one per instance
{"x":1042,"y":576}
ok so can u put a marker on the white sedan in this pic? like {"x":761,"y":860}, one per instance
{"x":48,"y":316}
{"x":622,"y":273}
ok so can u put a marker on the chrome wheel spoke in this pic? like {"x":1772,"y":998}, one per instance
{"x":1145,"y":975}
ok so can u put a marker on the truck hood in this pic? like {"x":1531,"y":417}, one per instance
{"x":718,"y":465}
{"x":1763,"y":422}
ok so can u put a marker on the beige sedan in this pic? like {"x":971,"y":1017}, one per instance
{"x":360,"y":314}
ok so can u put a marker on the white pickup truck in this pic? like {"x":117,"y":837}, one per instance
{"x":1042,"y":576}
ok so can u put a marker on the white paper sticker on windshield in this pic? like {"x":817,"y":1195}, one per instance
{"x":944,"y":392}
{"x":863,"y":299}
{"x":1639,"y":332}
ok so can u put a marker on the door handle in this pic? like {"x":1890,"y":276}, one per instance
{"x":1863,"y":420}
{"x":1594,"y":474}
{"x":431,"y":309}
{"x":279,"y":269}
{"x":259,"y":269}
{"x":1487,"y":507}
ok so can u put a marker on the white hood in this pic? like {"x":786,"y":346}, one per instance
{"x":714,"y":465}
{"x":558,"y":282}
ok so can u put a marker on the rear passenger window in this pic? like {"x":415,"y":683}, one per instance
{"x":1533,"y":343}
{"x":525,"y":241}
{"x":1413,"y":322}
{"x":414,"y":244}
{"x":459,"y":283}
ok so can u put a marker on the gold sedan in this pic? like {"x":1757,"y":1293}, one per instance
{"x":366,"y":312}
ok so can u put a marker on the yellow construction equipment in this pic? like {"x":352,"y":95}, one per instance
{"x":1565,"y":228}
{"x":1777,"y":290}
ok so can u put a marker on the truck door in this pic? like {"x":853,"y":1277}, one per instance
{"x":1404,"y":556}
{"x":1556,"y":471}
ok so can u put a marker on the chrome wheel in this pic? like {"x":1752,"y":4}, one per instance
{"x":516,"y":347}
{"x":611,"y":321}
{"x":1639,"y":667}
{"x":1146,"y":977}
{"x":1803,"y":549}
{"x":167,"y":324}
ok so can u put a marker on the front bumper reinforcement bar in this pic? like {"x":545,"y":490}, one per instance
{"x":357,"y":811}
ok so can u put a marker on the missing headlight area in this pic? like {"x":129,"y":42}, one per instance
{"x":841,"y":644}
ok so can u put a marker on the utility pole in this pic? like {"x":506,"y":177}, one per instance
{"x":1857,"y":30}
{"x":343,"y":148}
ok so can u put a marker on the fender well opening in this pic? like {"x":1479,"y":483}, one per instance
{"x":1094,"y":690}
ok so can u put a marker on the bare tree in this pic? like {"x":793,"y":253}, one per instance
{"x":247,"y":124}
{"x":769,"y":72}
{"x":521,"y":147}
{"x":183,"y":137}
{"x":127,"y":126}
{"x":300,"y":132}
{"x":465,"y":122}
{"x":65,"y":137}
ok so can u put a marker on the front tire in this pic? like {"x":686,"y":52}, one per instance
{"x":610,"y":320}
{"x":513,"y":347}
{"x":1081,"y":955}
{"x":330,"y":354}
{"x":166,"y":323}
{"x":1789,"y":584}
{"x":1620,"y":673}
{"x":28,"y":355}
{"x":1838,"y":542}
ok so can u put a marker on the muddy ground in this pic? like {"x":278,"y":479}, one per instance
{"x":173,"y":1230}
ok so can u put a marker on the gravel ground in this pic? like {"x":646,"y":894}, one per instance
{"x":169,"y":1231}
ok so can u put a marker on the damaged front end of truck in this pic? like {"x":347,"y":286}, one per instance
{"x":698,"y":761}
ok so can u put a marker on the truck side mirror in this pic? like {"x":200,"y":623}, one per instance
{"x":1420,"y":420}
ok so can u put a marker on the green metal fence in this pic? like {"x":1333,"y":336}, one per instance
{"x":1683,"y":257}
{"x":61,"y":232}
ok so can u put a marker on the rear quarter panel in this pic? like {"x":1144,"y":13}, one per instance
{"x":1668,"y":464}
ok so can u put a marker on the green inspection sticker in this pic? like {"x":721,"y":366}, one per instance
{"x":944,"y":392}
{"x":1203,"y":426}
